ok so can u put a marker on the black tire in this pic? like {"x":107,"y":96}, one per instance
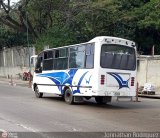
{"x":37,"y":93}
{"x":68,"y":97}
{"x":100,"y":100}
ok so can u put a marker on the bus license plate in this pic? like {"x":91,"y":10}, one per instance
{"x":117,"y":93}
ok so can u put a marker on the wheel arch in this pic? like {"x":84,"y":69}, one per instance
{"x":65,"y":88}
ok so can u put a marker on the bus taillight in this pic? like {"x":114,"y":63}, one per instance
{"x":102,"y":79}
{"x":132,"y":81}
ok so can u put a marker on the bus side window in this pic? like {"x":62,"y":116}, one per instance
{"x":48,"y":60}
{"x":76,"y":59}
{"x":61,"y":59}
{"x":89,"y":56}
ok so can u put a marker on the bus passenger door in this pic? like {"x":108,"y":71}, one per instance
{"x":33,"y":61}
{"x":38,"y":68}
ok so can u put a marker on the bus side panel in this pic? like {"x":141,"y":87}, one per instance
{"x":79,"y":80}
{"x":83,"y":82}
{"x":45,"y":84}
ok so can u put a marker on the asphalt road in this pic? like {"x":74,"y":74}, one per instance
{"x":21,"y":111}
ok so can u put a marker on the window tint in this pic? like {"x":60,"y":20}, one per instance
{"x":39,"y":66}
{"x":63,"y":52}
{"x":61,"y":59}
{"x":89,"y":61}
{"x":77,"y":48}
{"x":48,"y":60}
{"x":48,"y":54}
{"x":118,"y":57}
{"x":80,"y":56}
{"x":76,"y":60}
{"x":61,"y":63}
{"x":77,"y":57}
{"x":89,"y":56}
{"x":39,"y":61}
{"x":56,"y":53}
{"x":48,"y":64}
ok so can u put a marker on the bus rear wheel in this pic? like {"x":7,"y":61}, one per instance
{"x":37,"y":93}
{"x":68,"y":97}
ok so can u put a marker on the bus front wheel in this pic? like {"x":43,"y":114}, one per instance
{"x":68,"y":97}
{"x":37,"y":93}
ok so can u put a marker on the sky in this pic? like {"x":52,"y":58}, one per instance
{"x":14,"y":1}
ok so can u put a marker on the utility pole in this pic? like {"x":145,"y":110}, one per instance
{"x":28,"y":42}
{"x":29,"y":73}
{"x":153,"y":50}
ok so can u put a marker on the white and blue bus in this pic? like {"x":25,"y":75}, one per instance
{"x":101,"y":68}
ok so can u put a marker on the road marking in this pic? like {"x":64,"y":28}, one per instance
{"x":18,"y":124}
{"x":28,"y":128}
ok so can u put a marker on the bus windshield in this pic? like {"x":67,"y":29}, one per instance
{"x":118,"y":57}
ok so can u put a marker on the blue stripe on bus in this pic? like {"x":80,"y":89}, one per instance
{"x":79,"y":83}
{"x":63,"y":78}
{"x":122,"y":83}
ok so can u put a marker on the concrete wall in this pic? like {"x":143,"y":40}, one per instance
{"x":149,"y":70}
{"x":14,"y":61}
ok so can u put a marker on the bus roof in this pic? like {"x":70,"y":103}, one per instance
{"x":100,"y":39}
{"x":110,"y":38}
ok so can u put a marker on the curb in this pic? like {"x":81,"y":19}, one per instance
{"x":150,"y":96}
{"x":14,"y":84}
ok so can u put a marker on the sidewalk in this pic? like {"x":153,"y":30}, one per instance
{"x":156,"y":96}
{"x":15,"y":82}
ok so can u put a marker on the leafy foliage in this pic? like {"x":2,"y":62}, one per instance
{"x":63,"y":22}
{"x":55,"y":37}
{"x":10,"y":38}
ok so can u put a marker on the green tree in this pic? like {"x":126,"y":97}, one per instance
{"x":148,"y":24}
{"x":63,"y":22}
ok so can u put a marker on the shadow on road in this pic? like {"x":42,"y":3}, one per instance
{"x":113,"y":105}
